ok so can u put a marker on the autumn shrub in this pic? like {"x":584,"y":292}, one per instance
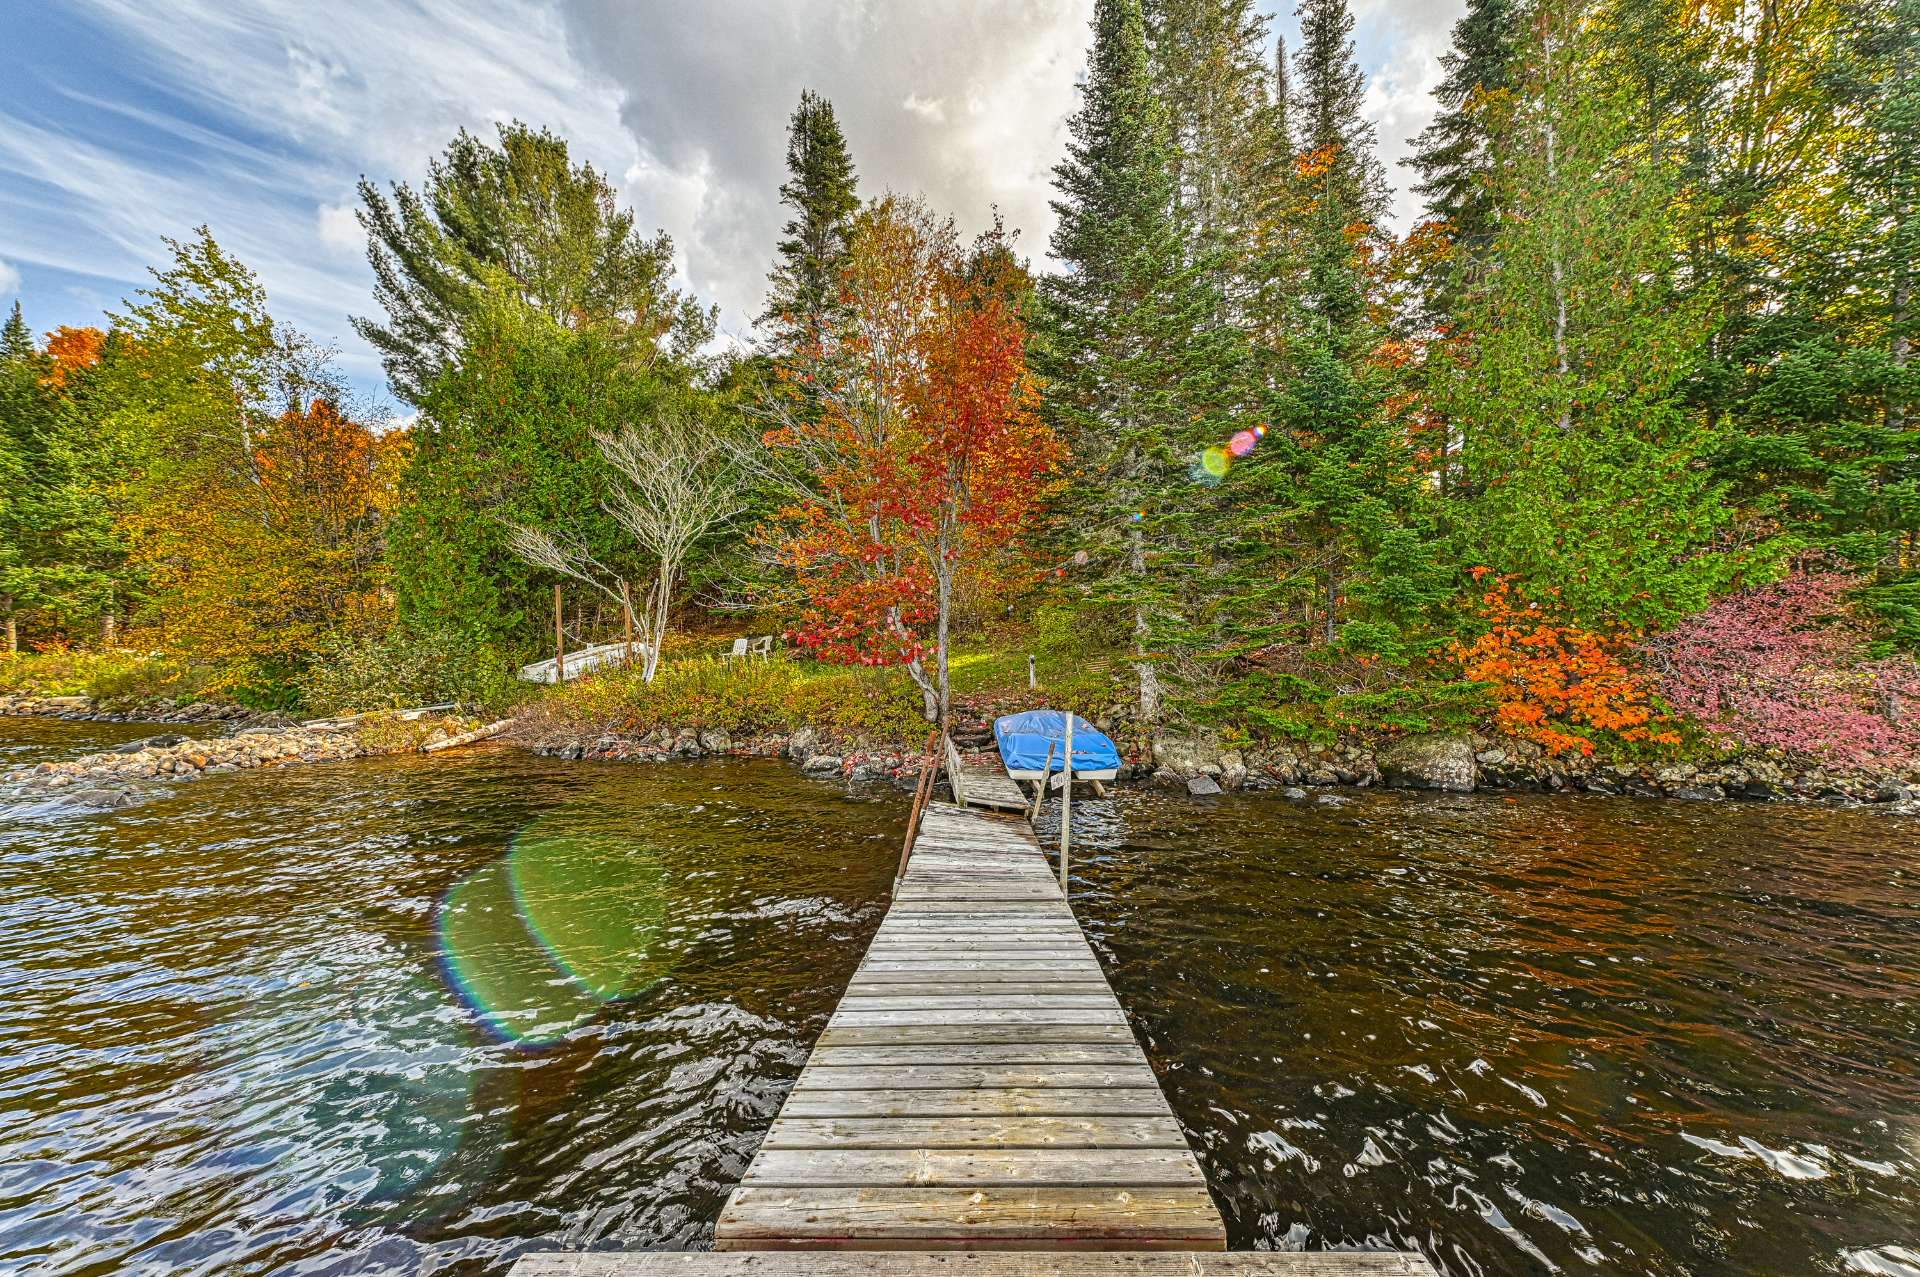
{"x":408,"y":667}
{"x":113,"y":675}
{"x":741,"y":697}
{"x":1555,"y":683}
{"x":1789,"y":667}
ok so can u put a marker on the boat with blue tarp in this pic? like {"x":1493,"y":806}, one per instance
{"x":1024,"y":741}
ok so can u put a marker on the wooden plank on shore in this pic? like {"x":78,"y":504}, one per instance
{"x":1007,"y":1263}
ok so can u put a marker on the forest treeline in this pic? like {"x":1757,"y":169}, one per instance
{"x":1617,"y":443}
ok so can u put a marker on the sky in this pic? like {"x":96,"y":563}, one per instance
{"x":124,"y":121}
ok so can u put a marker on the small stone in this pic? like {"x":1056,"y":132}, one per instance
{"x":1203,"y":786}
{"x":1294,"y":792}
{"x":820,"y":764}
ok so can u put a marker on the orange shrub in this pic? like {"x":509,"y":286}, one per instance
{"x":1554,"y":682}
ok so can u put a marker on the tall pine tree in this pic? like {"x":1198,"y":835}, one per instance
{"x":803,"y":301}
{"x":1142,"y":371}
{"x":1456,"y":155}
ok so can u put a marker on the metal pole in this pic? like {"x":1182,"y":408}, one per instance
{"x":1066,"y":802}
{"x":559,"y":641}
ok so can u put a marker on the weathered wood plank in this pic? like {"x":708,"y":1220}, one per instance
{"x":973,"y":1168}
{"x":829,"y":1077}
{"x":849,"y":1019}
{"x":965,"y":1218}
{"x":976,"y":1132}
{"x":965,"y":988}
{"x":1007,"y":1263}
{"x":1059,"y":1054}
{"x":1052,"y":1101}
{"x":867,"y":1000}
{"x":971,"y":1034}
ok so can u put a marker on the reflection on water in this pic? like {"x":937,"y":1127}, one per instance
{"x":412,"y":1015}
{"x":233,"y":1046}
{"x":1531,"y":1034}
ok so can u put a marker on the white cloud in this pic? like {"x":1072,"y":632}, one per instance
{"x":9,"y":277}
{"x":685,"y":106}
{"x":340,"y":230}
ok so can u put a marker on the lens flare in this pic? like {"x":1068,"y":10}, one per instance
{"x":571,"y":918}
{"x":1241,"y":444}
{"x":1215,"y":461}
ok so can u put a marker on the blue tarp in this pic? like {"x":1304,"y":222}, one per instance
{"x":1024,"y":737}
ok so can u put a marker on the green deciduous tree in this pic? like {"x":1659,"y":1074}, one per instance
{"x":522,"y":215}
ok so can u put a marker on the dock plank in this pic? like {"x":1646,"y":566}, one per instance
{"x":970,"y":1218}
{"x":1008,"y":1263}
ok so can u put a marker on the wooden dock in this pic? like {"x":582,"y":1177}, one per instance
{"x":981,"y":780}
{"x":978,"y":1086}
{"x":976,"y":1097}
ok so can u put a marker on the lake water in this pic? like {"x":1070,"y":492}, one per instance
{"x":421,"y":1015}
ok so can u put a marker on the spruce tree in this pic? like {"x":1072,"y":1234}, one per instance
{"x":1456,"y":154}
{"x":1142,"y":372}
{"x":16,"y":339}
{"x":804,"y":299}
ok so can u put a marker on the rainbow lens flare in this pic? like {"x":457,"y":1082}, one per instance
{"x":571,"y":918}
{"x":1215,"y":461}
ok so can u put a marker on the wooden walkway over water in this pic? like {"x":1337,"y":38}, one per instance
{"x":978,"y":1089}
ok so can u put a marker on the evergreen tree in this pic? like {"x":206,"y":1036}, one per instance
{"x":520,"y":215}
{"x":1456,"y":154}
{"x":1209,"y":69}
{"x":1586,"y":462}
{"x":1329,"y":93}
{"x":804,"y":300}
{"x":1142,"y":372}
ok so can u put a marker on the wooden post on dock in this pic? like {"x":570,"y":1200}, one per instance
{"x":922,"y":792}
{"x":1066,"y":803}
{"x":559,"y":640}
{"x":1040,"y":790}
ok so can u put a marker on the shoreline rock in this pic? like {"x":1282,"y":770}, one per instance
{"x":161,"y":710}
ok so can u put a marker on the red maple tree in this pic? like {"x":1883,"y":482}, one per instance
{"x":921,"y":458}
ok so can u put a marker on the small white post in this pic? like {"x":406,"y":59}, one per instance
{"x":1032,"y":681}
{"x":1066,"y":803}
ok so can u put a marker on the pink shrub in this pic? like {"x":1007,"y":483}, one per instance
{"x":1785,"y":666}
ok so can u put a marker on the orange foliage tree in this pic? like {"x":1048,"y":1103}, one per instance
{"x":922,"y":459}
{"x":1554,"y":682}
{"x":256,"y":571}
{"x":73,"y":351}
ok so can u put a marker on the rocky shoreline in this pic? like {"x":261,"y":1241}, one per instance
{"x":1445,"y":762}
{"x":160,"y":710}
{"x":1454,"y":763}
{"x":115,"y":778}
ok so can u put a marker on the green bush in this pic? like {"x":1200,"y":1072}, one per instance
{"x":743,"y":698}
{"x":405,"y":668}
{"x":117,"y":676}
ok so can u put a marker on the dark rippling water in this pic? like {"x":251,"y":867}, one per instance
{"x":1531,"y":1034}
{"x":420,"y":1015}
{"x":237,"y":1041}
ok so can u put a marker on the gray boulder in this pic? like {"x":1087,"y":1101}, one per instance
{"x":1439,"y":761}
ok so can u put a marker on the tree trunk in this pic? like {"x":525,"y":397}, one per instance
{"x":944,"y":584}
{"x":1143,"y":668}
{"x":13,"y":627}
{"x":109,"y":629}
